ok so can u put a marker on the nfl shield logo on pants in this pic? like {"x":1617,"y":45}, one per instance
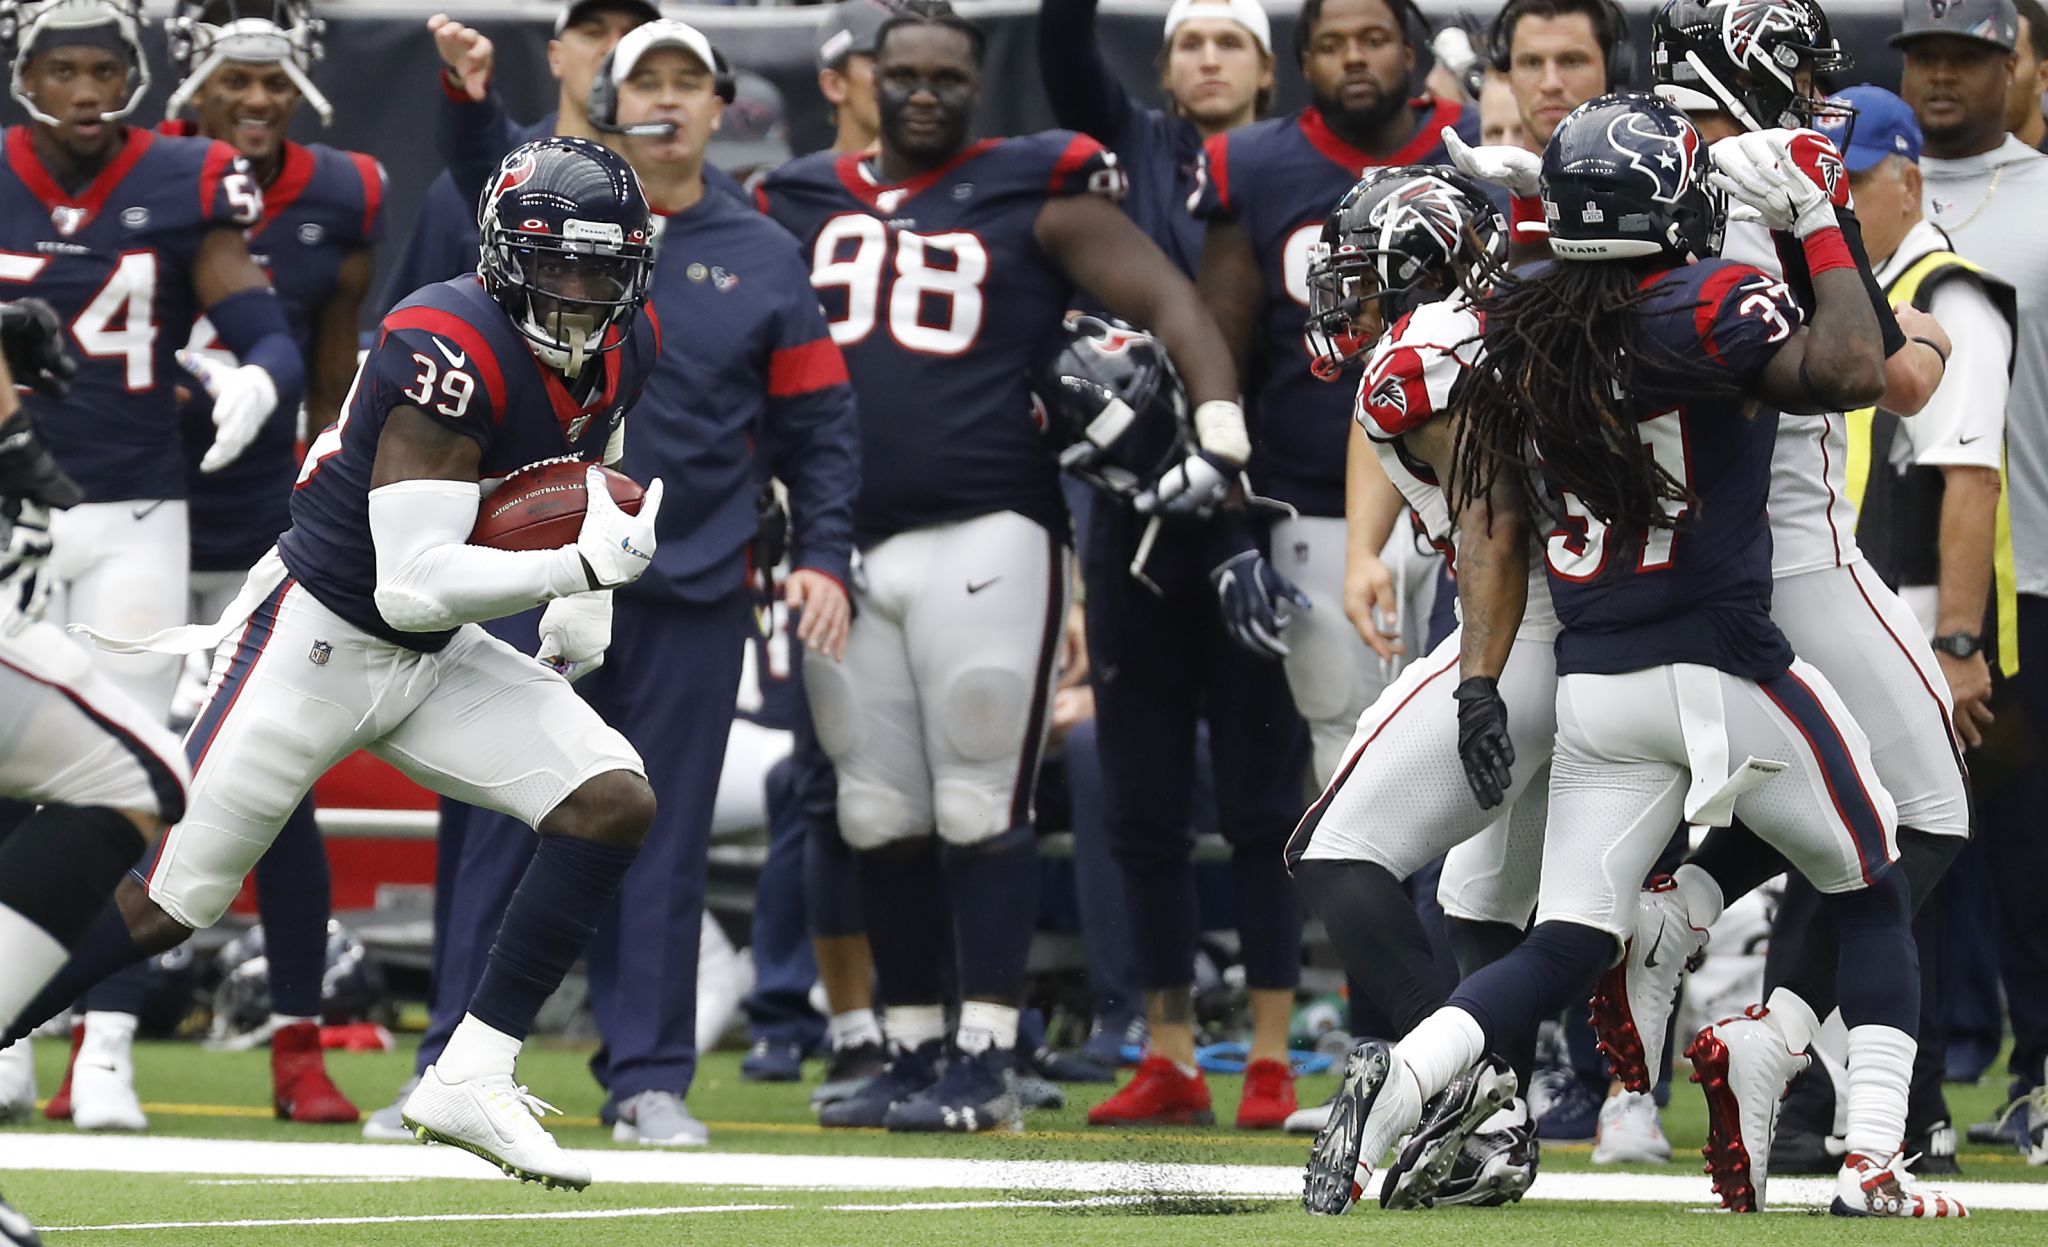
{"x":320,"y":653}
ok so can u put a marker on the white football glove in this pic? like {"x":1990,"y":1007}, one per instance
{"x":615,"y":546}
{"x":575,"y":631}
{"x":1196,"y":485}
{"x":1757,"y":170}
{"x":243,"y":398}
{"x":1520,"y":171}
{"x":24,"y":584}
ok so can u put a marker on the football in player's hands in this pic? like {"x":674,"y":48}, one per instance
{"x":542,"y":507}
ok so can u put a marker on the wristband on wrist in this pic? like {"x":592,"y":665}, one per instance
{"x":1826,"y":251}
{"x":1934,"y":346}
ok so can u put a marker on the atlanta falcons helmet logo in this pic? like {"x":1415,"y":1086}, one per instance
{"x":1745,"y":24}
{"x":1425,"y":204}
{"x":1665,"y":159}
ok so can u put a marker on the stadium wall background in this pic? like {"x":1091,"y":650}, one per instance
{"x":380,"y":67}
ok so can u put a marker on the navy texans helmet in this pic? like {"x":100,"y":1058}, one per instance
{"x":1400,"y":238}
{"x":351,"y":985}
{"x":566,"y":247}
{"x":31,"y":26}
{"x":1625,"y":176}
{"x":1745,"y":58}
{"x":1112,"y":402}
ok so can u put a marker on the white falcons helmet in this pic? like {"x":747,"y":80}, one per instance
{"x":26,"y":25}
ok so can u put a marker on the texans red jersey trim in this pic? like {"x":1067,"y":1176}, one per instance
{"x":805,"y":369}
{"x":465,"y":335}
{"x":1428,"y":135}
{"x":373,"y":190}
{"x":22,"y":158}
{"x":851,"y":175}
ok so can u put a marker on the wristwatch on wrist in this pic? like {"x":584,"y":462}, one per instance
{"x":1959,"y":644}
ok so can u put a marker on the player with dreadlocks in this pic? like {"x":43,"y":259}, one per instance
{"x":1630,"y":387}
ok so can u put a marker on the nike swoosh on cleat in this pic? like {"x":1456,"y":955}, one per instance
{"x":973,"y":588}
{"x":1650,"y":961}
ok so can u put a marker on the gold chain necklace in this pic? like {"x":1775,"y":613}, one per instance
{"x":1989,"y":191}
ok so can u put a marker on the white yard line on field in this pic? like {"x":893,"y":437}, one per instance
{"x":248,"y":1158}
{"x":581,"y":1214}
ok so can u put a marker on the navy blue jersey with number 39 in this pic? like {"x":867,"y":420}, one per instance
{"x":115,"y":258}
{"x":450,"y":351}
{"x":943,"y":301}
{"x":1700,"y":592}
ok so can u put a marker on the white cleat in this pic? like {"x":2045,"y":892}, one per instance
{"x":1377,"y":1103}
{"x":1632,"y":1001}
{"x":17,"y":1081}
{"x":1630,"y":1132}
{"x":103,"y":1078}
{"x":1744,"y":1069}
{"x":496,"y":1119}
{"x":1867,"y":1187}
{"x":387,"y":1124}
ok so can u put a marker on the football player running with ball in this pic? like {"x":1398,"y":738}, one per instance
{"x":1640,"y":376}
{"x":360,"y":630}
{"x":946,"y":267}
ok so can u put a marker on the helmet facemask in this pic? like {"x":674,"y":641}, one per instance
{"x":565,"y":295}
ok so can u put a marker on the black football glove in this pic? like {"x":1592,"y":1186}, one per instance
{"x":1483,"y":742}
{"x":1249,"y":593}
{"x":32,"y":339}
{"x":28,"y":472}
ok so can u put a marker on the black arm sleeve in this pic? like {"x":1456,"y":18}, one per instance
{"x":1084,"y":90}
{"x":1793,"y":258}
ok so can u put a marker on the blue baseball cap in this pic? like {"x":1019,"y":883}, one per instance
{"x":1883,"y":125}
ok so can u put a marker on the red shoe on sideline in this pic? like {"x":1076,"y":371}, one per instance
{"x":1268,"y":1096}
{"x":300,"y":1088}
{"x":59,"y":1107}
{"x":1158,"y":1095}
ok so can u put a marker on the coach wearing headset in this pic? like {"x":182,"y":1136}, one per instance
{"x":748,"y":384}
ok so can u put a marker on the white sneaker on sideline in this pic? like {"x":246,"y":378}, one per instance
{"x":1310,"y":1120}
{"x":496,"y":1119}
{"x":1630,"y":1132}
{"x":658,"y":1119}
{"x":387,"y":1124}
{"x":103,"y":1078}
{"x":17,"y":1081}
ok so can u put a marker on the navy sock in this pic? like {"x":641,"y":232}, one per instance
{"x":910,"y":929}
{"x":1269,"y":916}
{"x":126,"y":990}
{"x":1378,"y":937}
{"x":293,"y":895}
{"x":993,"y":891}
{"x":1553,"y":968}
{"x":1877,"y":971}
{"x":104,"y":949}
{"x":1478,"y":945}
{"x":547,"y":926}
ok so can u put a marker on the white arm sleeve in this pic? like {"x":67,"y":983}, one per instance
{"x":430,"y":578}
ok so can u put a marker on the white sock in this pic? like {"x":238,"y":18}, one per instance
{"x":278,"y":1021}
{"x":1442,"y":1046}
{"x":475,"y":1050}
{"x":1703,"y":900}
{"x":913,"y":1026}
{"x":853,"y":1028}
{"x":32,"y":957}
{"x":1792,"y":1018}
{"x":984,"y":1025}
{"x":108,"y":1034}
{"x":1880,"y":1075}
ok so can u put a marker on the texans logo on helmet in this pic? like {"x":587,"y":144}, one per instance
{"x":1746,"y":22}
{"x":1939,"y":8}
{"x":1427,"y":204}
{"x":1116,"y":341}
{"x":1669,"y":157}
{"x":512,"y":175}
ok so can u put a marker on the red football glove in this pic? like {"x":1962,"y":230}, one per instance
{"x":1814,"y":155}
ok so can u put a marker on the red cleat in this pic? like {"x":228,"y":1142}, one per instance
{"x":59,"y":1107}
{"x":1158,"y":1095}
{"x":1268,"y":1096}
{"x":300,"y":1087}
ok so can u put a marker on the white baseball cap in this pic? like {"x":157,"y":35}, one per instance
{"x":664,"y":33}
{"x":1246,"y":13}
